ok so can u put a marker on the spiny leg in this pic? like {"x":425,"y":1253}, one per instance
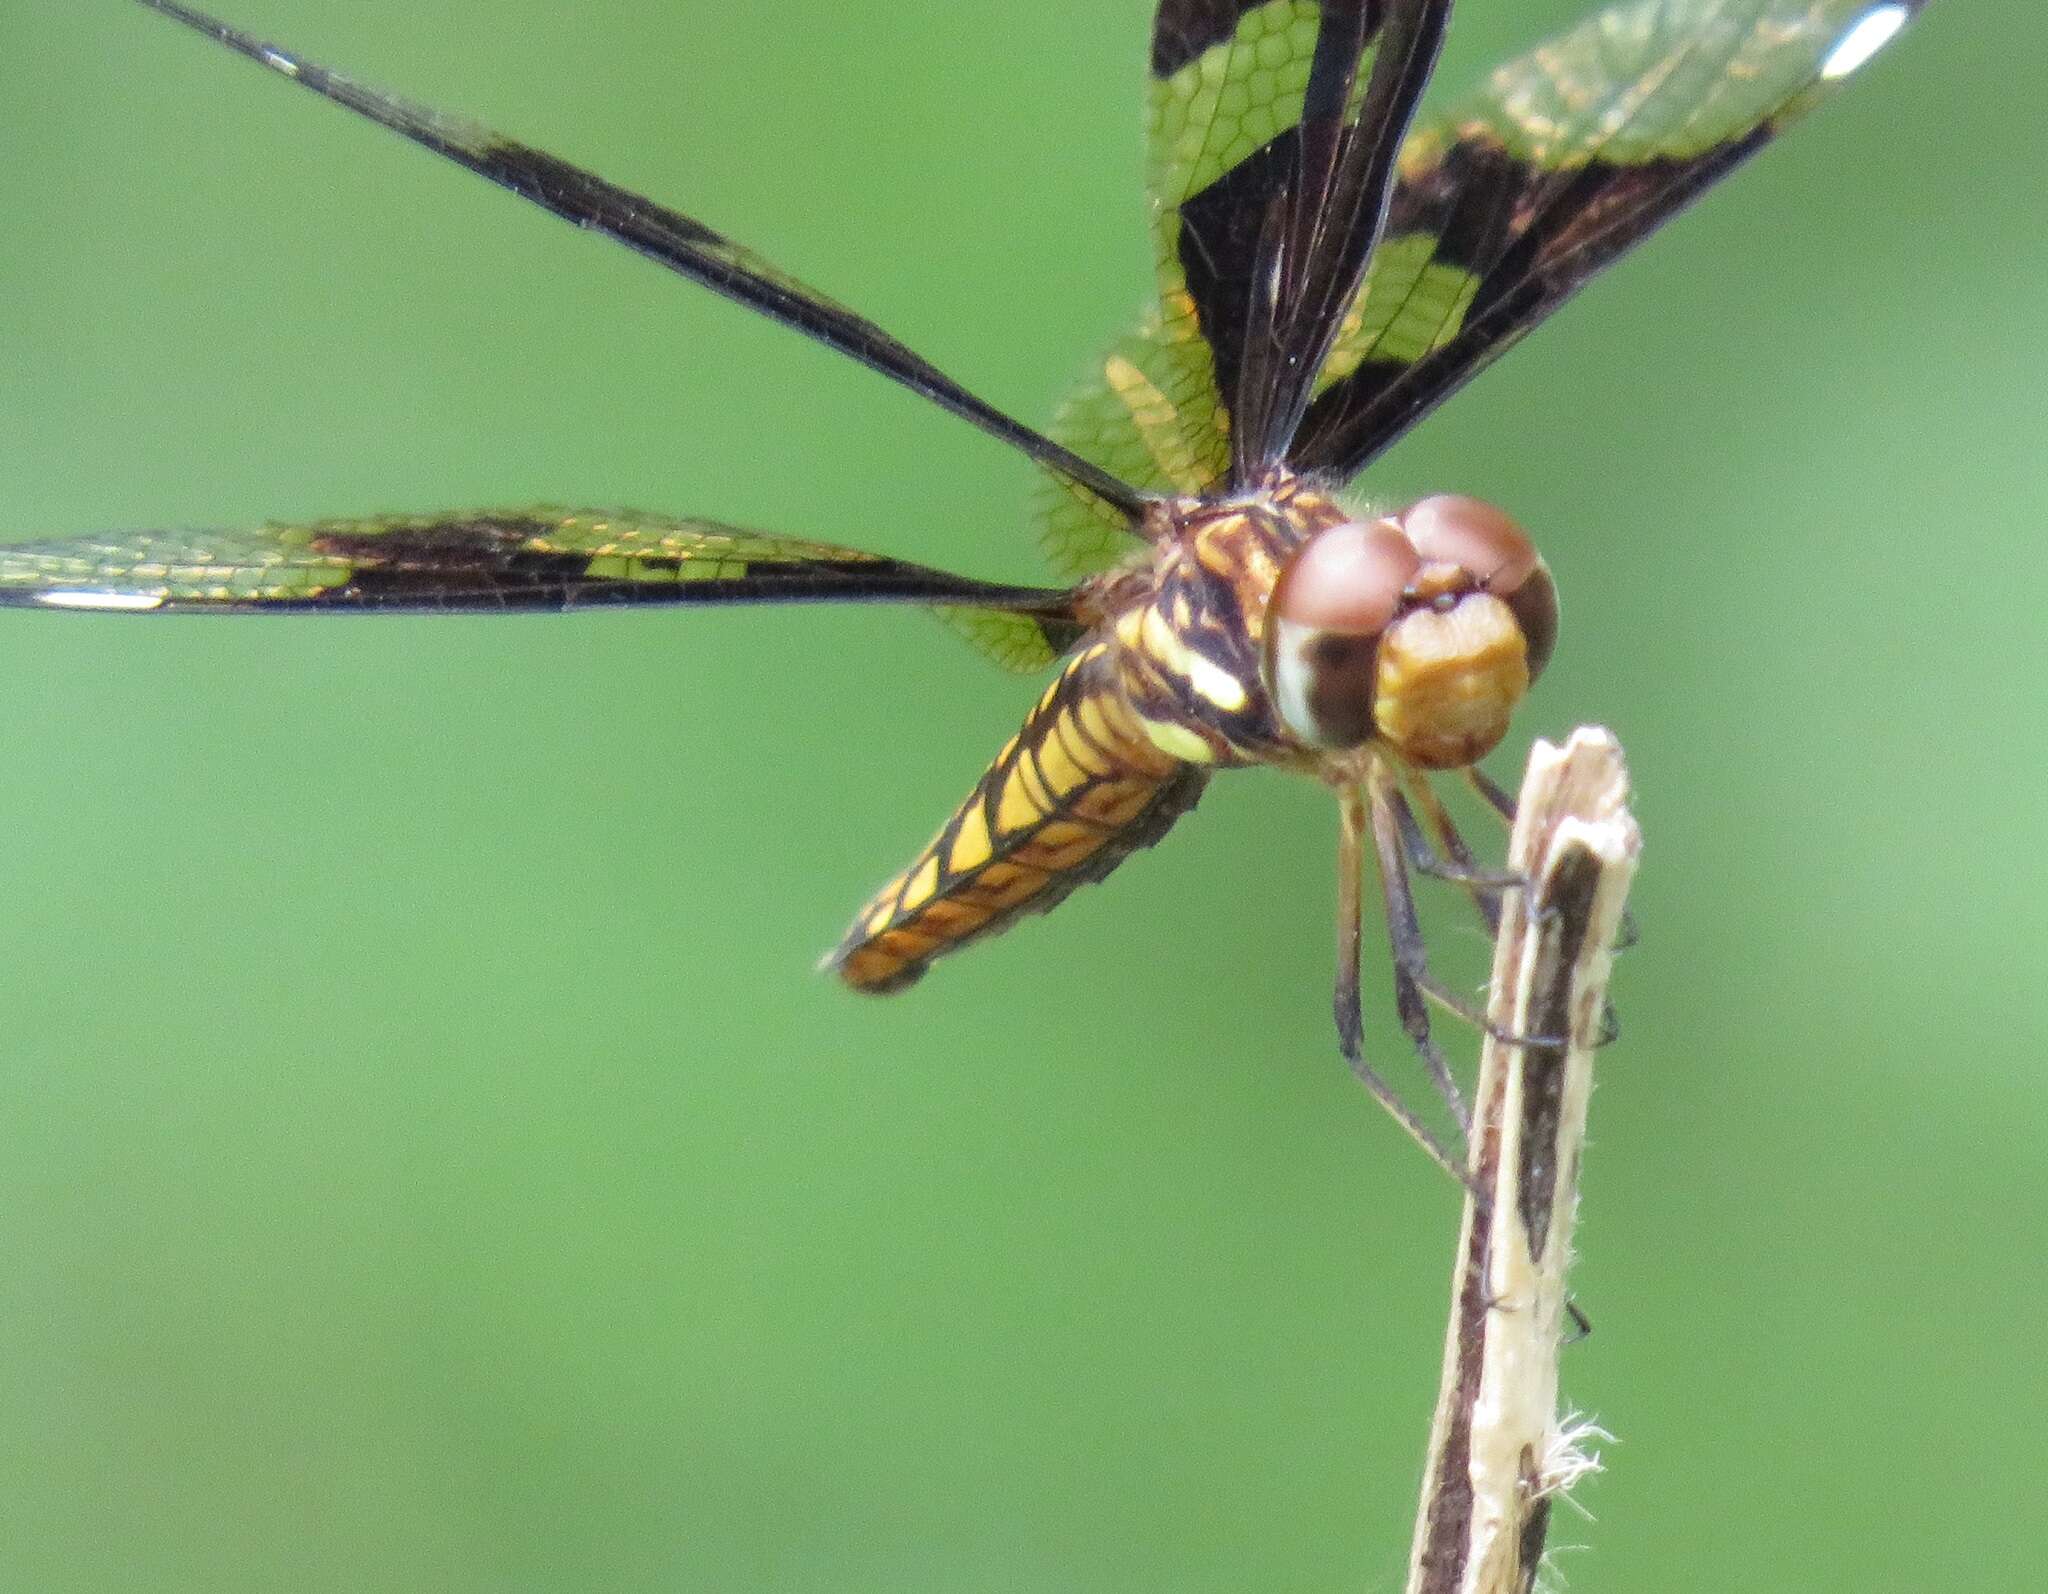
{"x":1424,"y":860}
{"x":1492,"y":792}
{"x":1458,"y":863}
{"x":1346,"y":1003}
{"x":1404,"y":933}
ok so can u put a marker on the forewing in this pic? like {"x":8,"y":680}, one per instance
{"x":1265,"y":194}
{"x":1226,"y":78}
{"x":1320,"y":232}
{"x":499,"y":561}
{"x":1507,"y":203}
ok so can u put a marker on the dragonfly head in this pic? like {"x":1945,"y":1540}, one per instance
{"x":1423,"y":628}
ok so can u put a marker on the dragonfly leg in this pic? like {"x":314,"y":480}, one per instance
{"x":1413,"y":982}
{"x":1501,"y":803}
{"x":1347,"y":1005}
{"x":1486,"y":897}
{"x":1491,"y":792}
{"x":1456,"y":862}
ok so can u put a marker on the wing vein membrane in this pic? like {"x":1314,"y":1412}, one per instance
{"x":513,"y":561}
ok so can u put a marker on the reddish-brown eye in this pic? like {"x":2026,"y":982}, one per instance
{"x":1450,"y":528}
{"x":1349,"y":578}
{"x":1329,"y":607}
{"x":1485,"y":541}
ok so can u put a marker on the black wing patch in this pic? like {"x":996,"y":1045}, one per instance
{"x":1279,"y":177}
{"x":1320,"y":231}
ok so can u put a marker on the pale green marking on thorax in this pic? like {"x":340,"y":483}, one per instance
{"x":1176,"y":740}
{"x":1189,"y":647}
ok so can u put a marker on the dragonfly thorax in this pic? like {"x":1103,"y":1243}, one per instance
{"x":1188,"y":621}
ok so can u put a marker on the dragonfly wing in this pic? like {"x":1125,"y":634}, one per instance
{"x":1510,"y":201}
{"x":502,"y":561}
{"x":1152,"y":409}
{"x":1272,"y":133}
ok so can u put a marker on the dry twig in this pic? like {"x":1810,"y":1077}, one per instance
{"x":1499,"y":1452}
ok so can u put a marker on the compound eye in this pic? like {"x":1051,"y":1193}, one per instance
{"x":1488,"y":545}
{"x":1348,"y":578}
{"x":1329,"y":607}
{"x":1450,"y":528}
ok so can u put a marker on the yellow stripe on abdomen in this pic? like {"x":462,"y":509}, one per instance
{"x":1075,"y":792}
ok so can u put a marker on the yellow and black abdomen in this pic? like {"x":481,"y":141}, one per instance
{"x":1073,"y":794}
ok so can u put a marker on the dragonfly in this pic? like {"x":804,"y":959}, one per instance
{"x":1330,"y":263}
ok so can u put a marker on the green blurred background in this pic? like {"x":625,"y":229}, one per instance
{"x":427,"y":1159}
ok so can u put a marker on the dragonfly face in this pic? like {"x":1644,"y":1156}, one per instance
{"x":1422,"y":629}
{"x":1328,"y":267}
